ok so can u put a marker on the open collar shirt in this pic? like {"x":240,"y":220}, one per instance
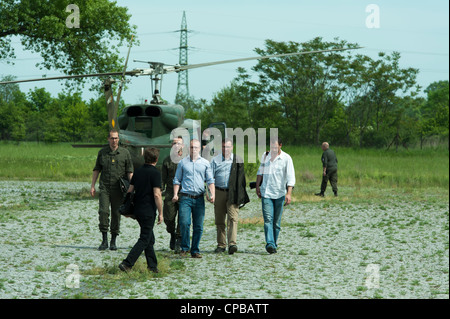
{"x":192,"y":175}
{"x":277,"y":175}
{"x":221,"y":169}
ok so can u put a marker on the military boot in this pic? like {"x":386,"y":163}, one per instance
{"x":173,"y":239}
{"x":112,"y":244}
{"x":104,"y":244}
{"x":321,"y":194}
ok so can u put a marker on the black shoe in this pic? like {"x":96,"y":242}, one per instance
{"x":104,"y":244}
{"x":177,"y":246}
{"x":320,"y":194}
{"x":335,"y":194}
{"x":124,"y":267}
{"x":219,"y":250}
{"x":112,"y":244}
{"x":154,"y":270}
{"x":173,"y":239}
{"x":271,"y":249}
{"x":232,"y":249}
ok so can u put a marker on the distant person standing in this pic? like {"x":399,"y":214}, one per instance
{"x":229,"y":180}
{"x":192,"y":173}
{"x":114,"y":162}
{"x":330,"y":168}
{"x":278,"y":179}
{"x":169,"y":167}
{"x":146,"y":183}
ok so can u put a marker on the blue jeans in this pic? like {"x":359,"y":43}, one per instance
{"x":196,"y":208}
{"x":272,"y":211}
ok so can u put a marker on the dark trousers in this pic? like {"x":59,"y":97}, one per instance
{"x":145,"y":243}
{"x":331,"y":176}
{"x":171,"y":218}
{"x":114,"y":197}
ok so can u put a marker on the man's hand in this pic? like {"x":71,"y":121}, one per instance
{"x":175,"y":198}
{"x":160,"y":218}
{"x":287,"y":200}
{"x":92,"y":191}
{"x":258,"y":191}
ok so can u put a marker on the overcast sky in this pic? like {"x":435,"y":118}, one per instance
{"x":230,"y":29}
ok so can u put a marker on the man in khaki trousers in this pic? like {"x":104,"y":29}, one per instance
{"x":228,"y":172}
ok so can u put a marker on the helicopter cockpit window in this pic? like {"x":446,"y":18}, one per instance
{"x":143,"y":123}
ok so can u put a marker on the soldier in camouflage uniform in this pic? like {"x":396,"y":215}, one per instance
{"x":170,"y":210}
{"x":113,"y":162}
{"x":329,"y":163}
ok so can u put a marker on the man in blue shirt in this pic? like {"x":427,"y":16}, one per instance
{"x":192,"y":173}
{"x":226,"y":170}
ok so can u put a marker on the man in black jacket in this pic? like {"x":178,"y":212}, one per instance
{"x":330,"y":167}
{"x":146,"y":183}
{"x":231,"y":194}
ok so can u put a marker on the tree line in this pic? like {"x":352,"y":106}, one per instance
{"x":345,"y":98}
{"x":37,"y":116}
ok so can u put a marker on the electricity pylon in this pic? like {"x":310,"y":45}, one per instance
{"x":183,"y":84}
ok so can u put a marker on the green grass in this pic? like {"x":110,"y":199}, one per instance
{"x":376,"y":168}
{"x":46,"y":162}
{"x":358,"y":168}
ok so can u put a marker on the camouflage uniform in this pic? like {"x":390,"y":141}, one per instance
{"x":112,"y":165}
{"x":170,"y":210}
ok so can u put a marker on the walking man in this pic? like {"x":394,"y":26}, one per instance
{"x":274,"y":184}
{"x":231,"y":194}
{"x":330,"y":167}
{"x":114,"y":162}
{"x":170,"y":211}
{"x":146,"y":183}
{"x":192,"y":173}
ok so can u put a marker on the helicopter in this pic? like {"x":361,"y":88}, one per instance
{"x":152,"y":125}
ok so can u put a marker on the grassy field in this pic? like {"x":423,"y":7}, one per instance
{"x":358,"y":169}
{"x":392,"y":212}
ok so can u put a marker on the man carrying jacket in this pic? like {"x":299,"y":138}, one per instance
{"x":229,"y":176}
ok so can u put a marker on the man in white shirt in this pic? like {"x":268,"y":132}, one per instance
{"x":274,"y":184}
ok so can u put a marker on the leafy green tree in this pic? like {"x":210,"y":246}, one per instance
{"x":41,"y":26}
{"x":12,"y":112}
{"x":38,"y":101}
{"x":306,"y":87}
{"x":374,"y":89}
{"x":435,"y":111}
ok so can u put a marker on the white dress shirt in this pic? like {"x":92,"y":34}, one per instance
{"x":277,"y":175}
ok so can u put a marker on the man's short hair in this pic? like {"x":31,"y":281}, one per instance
{"x":112,"y":131}
{"x":226,"y":140}
{"x":276,"y":139}
{"x":151,"y":155}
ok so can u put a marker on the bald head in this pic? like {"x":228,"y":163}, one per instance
{"x":325,"y":146}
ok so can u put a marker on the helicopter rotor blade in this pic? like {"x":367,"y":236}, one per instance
{"x":135,"y":72}
{"x":179,"y":68}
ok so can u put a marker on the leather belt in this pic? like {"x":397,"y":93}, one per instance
{"x":191,"y":196}
{"x":222,"y":189}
